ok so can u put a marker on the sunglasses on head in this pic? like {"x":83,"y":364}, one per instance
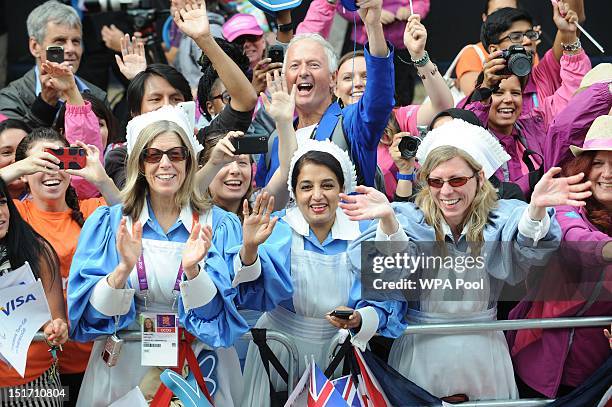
{"x":154,"y":155}
{"x":453,"y":182}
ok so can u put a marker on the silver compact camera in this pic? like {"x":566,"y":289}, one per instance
{"x":111,"y":351}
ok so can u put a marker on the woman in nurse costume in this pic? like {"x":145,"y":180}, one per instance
{"x":314,"y":234}
{"x":156,"y":253}
{"x":457,"y":214}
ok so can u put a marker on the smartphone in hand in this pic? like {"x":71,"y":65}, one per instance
{"x":55,"y":54}
{"x":250,"y":145}
{"x":342,"y":313}
{"x":73,"y":158}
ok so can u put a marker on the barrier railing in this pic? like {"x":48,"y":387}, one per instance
{"x":292,"y":369}
{"x":447,"y":328}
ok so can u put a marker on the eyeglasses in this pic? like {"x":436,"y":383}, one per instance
{"x":247,"y":38}
{"x":516,"y":37}
{"x":154,"y":155}
{"x":453,"y":182}
{"x":225,"y":97}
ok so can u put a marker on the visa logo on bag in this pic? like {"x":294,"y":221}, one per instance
{"x":13,"y":304}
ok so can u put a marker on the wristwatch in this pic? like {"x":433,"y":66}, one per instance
{"x":285,"y":28}
{"x":406,"y":177}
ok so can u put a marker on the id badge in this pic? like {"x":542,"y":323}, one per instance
{"x":159,"y":346}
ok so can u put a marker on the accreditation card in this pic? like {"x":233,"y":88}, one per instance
{"x":159,"y":339}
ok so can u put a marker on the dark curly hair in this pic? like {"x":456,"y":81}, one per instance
{"x":597,"y":213}
{"x":47,"y":134}
{"x":210,"y":75}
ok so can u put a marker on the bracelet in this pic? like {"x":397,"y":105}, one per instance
{"x":406,"y":177}
{"x":432,"y":73}
{"x":421,"y":62}
{"x":573,"y":47}
{"x":285,"y":28}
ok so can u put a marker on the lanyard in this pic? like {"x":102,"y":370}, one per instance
{"x":141,"y":271}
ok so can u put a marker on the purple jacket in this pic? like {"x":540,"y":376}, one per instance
{"x":558,"y":357}
{"x":571,"y":125}
{"x":394,"y":32}
{"x":532,"y":126}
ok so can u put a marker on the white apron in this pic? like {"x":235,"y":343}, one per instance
{"x":477,"y":364}
{"x":102,"y":385}
{"x":320,"y":283}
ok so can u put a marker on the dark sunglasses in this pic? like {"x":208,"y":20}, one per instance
{"x":247,"y":38}
{"x":154,"y":155}
{"x":453,"y":182}
{"x":225,"y":97}
{"x":517,"y":36}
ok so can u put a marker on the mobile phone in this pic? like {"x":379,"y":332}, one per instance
{"x":73,"y":158}
{"x":250,"y":145}
{"x":276,"y":53}
{"x":342,"y":313}
{"x":112,"y":349}
{"x":55,"y":54}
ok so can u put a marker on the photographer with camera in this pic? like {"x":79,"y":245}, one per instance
{"x":516,"y":106}
{"x":508,"y":35}
{"x":56,"y":35}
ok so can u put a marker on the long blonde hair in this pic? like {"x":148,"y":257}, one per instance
{"x":480,"y":208}
{"x":136,"y":186}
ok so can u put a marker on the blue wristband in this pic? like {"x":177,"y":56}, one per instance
{"x":406,"y":177}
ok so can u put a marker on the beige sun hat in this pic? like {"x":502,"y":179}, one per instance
{"x":598,"y":138}
{"x":601,"y":73}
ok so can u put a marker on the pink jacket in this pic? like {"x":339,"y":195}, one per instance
{"x":318,"y":19}
{"x":81,"y":124}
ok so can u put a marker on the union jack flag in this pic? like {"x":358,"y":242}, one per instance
{"x":321,"y":392}
{"x":346,"y":387}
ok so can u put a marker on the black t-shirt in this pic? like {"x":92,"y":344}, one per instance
{"x":228,"y":119}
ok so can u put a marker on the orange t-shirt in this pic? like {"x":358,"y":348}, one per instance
{"x":470,"y":60}
{"x":63,"y":234}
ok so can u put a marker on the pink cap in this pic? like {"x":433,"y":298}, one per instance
{"x":241,"y":24}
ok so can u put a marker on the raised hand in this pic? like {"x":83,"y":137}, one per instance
{"x":282,"y":105}
{"x":368,"y":204}
{"x":257,"y":226}
{"x":415,"y":37}
{"x":564,"y":18}
{"x":36,"y":161}
{"x":353,"y":322}
{"x":56,"y":332}
{"x":132,"y":60}
{"x":551,"y":191}
{"x":224,"y":151}
{"x":370,"y":11}
{"x":112,"y":37}
{"x":192,"y":20}
{"x":196,"y":248}
{"x":129,"y":246}
{"x":386,"y":17}
{"x":260,"y":72}
{"x":62,"y":78}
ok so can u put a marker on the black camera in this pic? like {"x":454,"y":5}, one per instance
{"x":518,"y":61}
{"x":408,"y":146}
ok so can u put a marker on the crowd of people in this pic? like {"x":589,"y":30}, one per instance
{"x":167,"y":219}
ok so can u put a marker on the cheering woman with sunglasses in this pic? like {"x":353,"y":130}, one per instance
{"x":458,"y":217}
{"x":154,"y":256}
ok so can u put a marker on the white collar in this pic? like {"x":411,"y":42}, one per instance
{"x":185,"y":216}
{"x":448,"y":232}
{"x":342,"y":229}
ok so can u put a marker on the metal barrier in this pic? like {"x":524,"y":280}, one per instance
{"x":449,"y":328}
{"x":279,"y":337}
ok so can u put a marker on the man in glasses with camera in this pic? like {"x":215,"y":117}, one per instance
{"x":508,"y":35}
{"x":55,"y":35}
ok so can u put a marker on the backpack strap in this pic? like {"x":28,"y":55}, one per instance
{"x":268,"y":357}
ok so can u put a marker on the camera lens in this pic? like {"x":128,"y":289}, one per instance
{"x":519,"y":64}
{"x":409,"y":146}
